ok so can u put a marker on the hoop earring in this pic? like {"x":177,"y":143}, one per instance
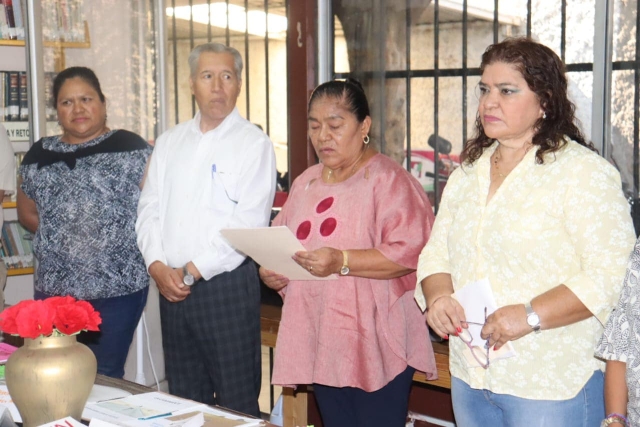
{"x":366,"y":139}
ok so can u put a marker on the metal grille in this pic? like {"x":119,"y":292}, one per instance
{"x":451,"y":83}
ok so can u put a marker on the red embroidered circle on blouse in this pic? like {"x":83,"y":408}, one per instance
{"x":303,"y":230}
{"x":328,"y":226}
{"x":324,"y":205}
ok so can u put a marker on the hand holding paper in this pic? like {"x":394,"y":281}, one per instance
{"x":474,"y":298}
{"x":272,"y":248}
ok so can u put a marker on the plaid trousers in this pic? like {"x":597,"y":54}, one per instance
{"x":211,"y":341}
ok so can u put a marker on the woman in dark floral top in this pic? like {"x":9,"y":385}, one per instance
{"x":79,"y":195}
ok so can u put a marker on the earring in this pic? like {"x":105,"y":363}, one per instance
{"x":544,"y":115}
{"x":366,"y":139}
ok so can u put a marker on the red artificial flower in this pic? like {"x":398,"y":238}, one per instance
{"x":53,"y":316}
{"x":55,"y":302}
{"x":94,"y":318}
{"x":71,"y":319}
{"x":8,"y":317}
{"x":35,"y":319}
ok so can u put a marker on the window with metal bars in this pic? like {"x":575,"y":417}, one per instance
{"x":257,"y":29}
{"x":419,"y":59}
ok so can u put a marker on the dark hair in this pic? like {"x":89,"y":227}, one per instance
{"x":544,"y":73}
{"x":83,"y":73}
{"x":350,"y":91}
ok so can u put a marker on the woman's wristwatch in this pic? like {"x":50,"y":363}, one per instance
{"x":615,"y":418}
{"x":344,"y":270}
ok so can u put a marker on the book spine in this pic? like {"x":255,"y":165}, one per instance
{"x":4,"y":26}
{"x":15,"y":236}
{"x":24,"y":97}
{"x":14,"y":96}
{"x":5,"y":248}
{"x":17,"y":15}
{"x":3,"y":105}
{"x":6,"y":84}
{"x":11,"y":22}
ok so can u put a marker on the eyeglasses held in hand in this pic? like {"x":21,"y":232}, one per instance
{"x":480,"y":353}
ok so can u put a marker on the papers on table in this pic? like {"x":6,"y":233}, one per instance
{"x":157,"y":409}
{"x":64,"y":422}
{"x":103,"y":392}
{"x":272,"y":248}
{"x":7,"y":402}
{"x":474,"y":297}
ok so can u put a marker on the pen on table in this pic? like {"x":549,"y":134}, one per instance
{"x":150,"y":417}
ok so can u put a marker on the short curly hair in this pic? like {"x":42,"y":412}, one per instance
{"x":544,"y":73}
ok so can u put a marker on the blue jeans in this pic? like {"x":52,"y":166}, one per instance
{"x":120,"y":317}
{"x":482,"y":408}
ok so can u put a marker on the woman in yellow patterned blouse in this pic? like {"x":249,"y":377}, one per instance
{"x":541,"y":217}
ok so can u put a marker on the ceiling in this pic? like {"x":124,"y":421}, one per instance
{"x":450,"y":11}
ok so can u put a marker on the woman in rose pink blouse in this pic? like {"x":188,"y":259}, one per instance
{"x":359,"y":337}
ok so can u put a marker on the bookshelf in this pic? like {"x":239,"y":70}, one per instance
{"x":58,"y":46}
{"x":13,"y":58}
{"x":19,"y":271}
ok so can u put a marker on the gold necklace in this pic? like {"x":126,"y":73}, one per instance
{"x":497,"y":157}
{"x":353,"y":169}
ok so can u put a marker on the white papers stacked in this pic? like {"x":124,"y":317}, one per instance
{"x":157,"y":409}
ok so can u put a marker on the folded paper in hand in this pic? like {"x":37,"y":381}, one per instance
{"x":474,"y":297}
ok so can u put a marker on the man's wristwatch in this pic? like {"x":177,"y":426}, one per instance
{"x":345,"y":264}
{"x":187,"y":278}
{"x":532,"y":318}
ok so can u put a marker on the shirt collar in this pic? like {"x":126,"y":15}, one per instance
{"x":222,"y":127}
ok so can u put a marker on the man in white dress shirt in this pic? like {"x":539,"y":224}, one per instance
{"x":7,"y":186}
{"x":215,"y":171}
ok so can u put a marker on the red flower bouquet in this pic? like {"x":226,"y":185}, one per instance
{"x":54,"y":316}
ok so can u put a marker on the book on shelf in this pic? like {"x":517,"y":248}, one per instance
{"x":4,"y":25}
{"x":16,"y":245}
{"x":17,"y":14}
{"x":23,"y":96}
{"x":12,"y":96}
{"x":11,"y":20}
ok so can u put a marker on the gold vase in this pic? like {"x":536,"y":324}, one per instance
{"x":50,"y":378}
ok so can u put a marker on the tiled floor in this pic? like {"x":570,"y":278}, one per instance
{"x":265,"y":405}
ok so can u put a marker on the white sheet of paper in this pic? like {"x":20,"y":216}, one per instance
{"x":272,"y":248}
{"x":139,"y":407}
{"x":474,"y":297}
{"x":6,"y":401}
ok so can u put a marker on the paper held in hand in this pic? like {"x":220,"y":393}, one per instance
{"x":474,"y":297}
{"x":272,"y":248}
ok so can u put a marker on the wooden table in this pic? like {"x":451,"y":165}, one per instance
{"x":295,"y":403}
